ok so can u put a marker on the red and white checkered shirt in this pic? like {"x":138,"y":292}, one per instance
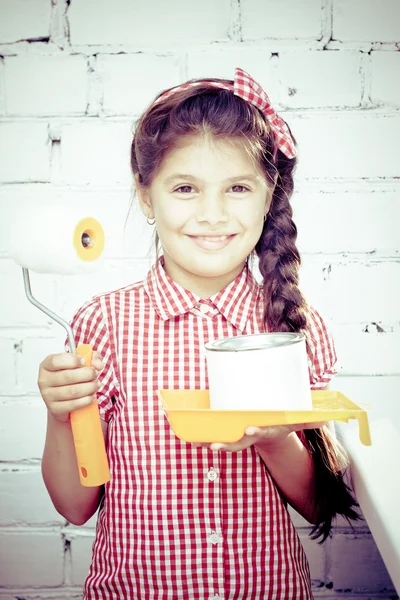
{"x":180,"y":522}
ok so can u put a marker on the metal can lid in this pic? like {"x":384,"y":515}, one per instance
{"x":257,"y":341}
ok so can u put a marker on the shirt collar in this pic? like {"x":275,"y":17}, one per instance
{"x":236,"y":302}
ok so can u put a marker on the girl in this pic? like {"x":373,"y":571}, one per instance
{"x":213,"y":166}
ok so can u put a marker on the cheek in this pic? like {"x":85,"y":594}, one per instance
{"x":251,"y":216}
{"x":172,"y":214}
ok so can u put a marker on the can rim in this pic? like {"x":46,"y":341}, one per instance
{"x":227,"y":344}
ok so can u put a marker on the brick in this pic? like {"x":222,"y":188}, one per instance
{"x":2,"y":92}
{"x":385,"y":74}
{"x":372,"y":287}
{"x":8,"y":364}
{"x":316,"y":555}
{"x":275,"y":20}
{"x":363,"y":353}
{"x":222,"y":61}
{"x":345,"y":144}
{"x":22,"y":428}
{"x":380,"y":392}
{"x":24,"y":498}
{"x":33,"y":351}
{"x":342,"y":220}
{"x":23,"y":565}
{"x":356,"y":565}
{"x":24,"y":152}
{"x":45,"y":85}
{"x":97,"y":153}
{"x":150,"y":24}
{"x":301,"y":74}
{"x":379,"y":22}
{"x":81,"y":553}
{"x":15,"y":308}
{"x":117,"y":72}
{"x":24,"y":20}
{"x":313,"y":274}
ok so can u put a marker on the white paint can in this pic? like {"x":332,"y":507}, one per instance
{"x":266,"y":371}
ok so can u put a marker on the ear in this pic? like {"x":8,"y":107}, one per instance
{"x":268,"y":202}
{"x":144,"y":199}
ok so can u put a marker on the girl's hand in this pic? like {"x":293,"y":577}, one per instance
{"x":66,"y":385}
{"x":262,"y":437}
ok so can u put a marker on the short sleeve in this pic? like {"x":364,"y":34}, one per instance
{"x":322,"y":360}
{"x":89,"y":327}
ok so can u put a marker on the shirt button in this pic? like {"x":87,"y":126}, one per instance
{"x":214,"y":538}
{"x":216,"y":597}
{"x":212,"y":474}
{"x":204,"y":309}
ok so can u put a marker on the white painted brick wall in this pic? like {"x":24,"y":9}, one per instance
{"x":22,"y":430}
{"x":100,"y":158}
{"x":24,"y":152}
{"x":73,"y":78}
{"x":24,"y":20}
{"x":361,"y":220}
{"x":123,"y":22}
{"x":23,"y":497}
{"x":46,"y":85}
{"x":385,"y":74}
{"x":22,"y":565}
{"x":366,"y":20}
{"x":276,"y":20}
{"x":131,"y":72}
{"x":345,"y":148}
{"x":320,"y":79}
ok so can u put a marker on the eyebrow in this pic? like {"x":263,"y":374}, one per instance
{"x":175,"y":176}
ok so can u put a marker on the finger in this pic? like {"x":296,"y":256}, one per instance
{"x":97,"y":361}
{"x":72,"y":376}
{"x":72,"y":392}
{"x":200,"y":445}
{"x":316,"y":425}
{"x":62,"y":409}
{"x":244,"y":442}
{"x":58,"y":362}
{"x":267,"y":432}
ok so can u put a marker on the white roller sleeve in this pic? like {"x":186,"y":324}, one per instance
{"x":47,"y":237}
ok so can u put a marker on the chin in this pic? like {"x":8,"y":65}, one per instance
{"x":215,"y":270}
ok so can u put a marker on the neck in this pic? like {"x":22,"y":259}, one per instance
{"x":201,"y":286}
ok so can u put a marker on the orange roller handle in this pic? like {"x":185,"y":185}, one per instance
{"x":88,"y":437}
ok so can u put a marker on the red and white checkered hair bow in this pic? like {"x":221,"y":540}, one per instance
{"x":246,"y":88}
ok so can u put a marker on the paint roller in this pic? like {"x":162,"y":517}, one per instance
{"x":55,"y":238}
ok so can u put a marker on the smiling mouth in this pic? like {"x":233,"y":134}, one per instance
{"x":212,"y":242}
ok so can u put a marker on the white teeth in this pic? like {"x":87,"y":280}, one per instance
{"x":213,"y":238}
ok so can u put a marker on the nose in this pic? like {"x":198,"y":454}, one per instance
{"x":212,"y":209}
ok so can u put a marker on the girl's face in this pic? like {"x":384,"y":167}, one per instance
{"x":209,"y":201}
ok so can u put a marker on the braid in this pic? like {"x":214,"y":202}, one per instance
{"x":279,"y":259}
{"x":286,"y":310}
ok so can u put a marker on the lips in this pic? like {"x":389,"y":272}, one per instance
{"x":212,"y":242}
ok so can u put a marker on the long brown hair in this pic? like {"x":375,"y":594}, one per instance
{"x":203,"y":109}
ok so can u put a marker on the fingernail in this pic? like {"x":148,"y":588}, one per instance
{"x":82,"y":361}
{"x":216,"y":446}
{"x":251,"y":430}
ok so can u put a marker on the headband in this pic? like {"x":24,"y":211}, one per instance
{"x":246,"y":88}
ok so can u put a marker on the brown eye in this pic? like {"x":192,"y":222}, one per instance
{"x":184,"y":189}
{"x":239,"y":189}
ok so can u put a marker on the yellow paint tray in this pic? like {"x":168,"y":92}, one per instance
{"x":192,"y":420}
